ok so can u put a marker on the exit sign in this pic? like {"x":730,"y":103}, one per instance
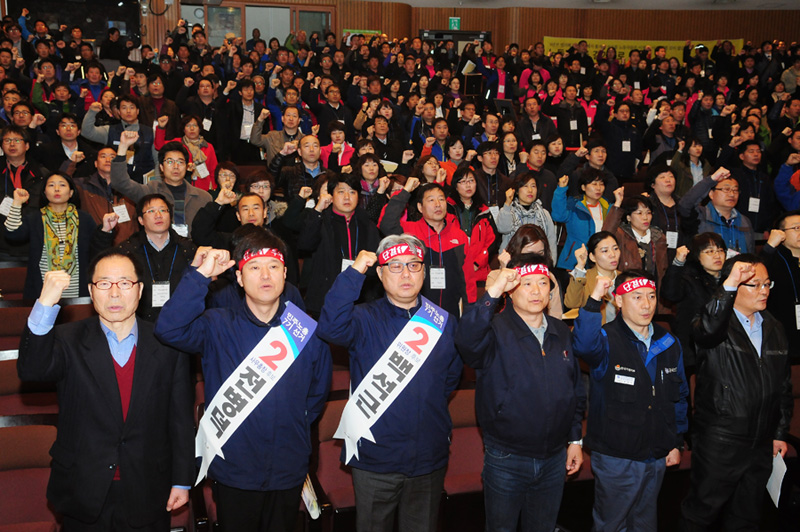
{"x":455,"y":23}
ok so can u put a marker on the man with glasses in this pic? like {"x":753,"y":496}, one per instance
{"x":186,"y":198}
{"x":16,"y":171}
{"x":720,"y":214}
{"x":403,"y":366}
{"x":781,"y":255}
{"x":123,"y":456}
{"x":743,"y":400}
{"x":165,"y":254}
{"x":69,"y":155}
{"x":157,"y":104}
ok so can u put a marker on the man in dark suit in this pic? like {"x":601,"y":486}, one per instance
{"x":70,"y":154}
{"x":123,"y":458}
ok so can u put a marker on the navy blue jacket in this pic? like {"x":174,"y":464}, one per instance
{"x":270,"y":450}
{"x":413,"y":435}
{"x":638,"y":402}
{"x":530,"y":398}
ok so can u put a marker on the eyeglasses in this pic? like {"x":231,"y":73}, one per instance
{"x":123,"y":284}
{"x":760,"y":286}
{"x":795,"y":228}
{"x":467,"y":182}
{"x":21,"y":113}
{"x":728,"y":190}
{"x":13,"y":141}
{"x":397,"y":267}
{"x":69,"y":126}
{"x":191,"y":125}
{"x":159,"y":211}
{"x":174,"y":162}
{"x":715,"y":251}
{"x":227,"y":175}
{"x":260,"y":186}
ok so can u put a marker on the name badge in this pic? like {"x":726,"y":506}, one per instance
{"x":346,"y":263}
{"x":495,"y":210}
{"x":5,"y":206}
{"x":129,"y":156}
{"x":624,"y":379}
{"x":160,"y":294}
{"x":636,"y":85}
{"x":626,"y":145}
{"x":206,"y":124}
{"x":589,"y":120}
{"x":248,"y":128}
{"x":181,"y":229}
{"x":155,"y":126}
{"x":202,"y":170}
{"x":342,"y":121}
{"x":122,"y":211}
{"x":573,"y":125}
{"x":753,"y":204}
{"x":731,"y":253}
{"x":710,"y":133}
{"x":583,"y":70}
{"x":536,"y":136}
{"x":672,"y":239}
{"x":310,"y":204}
{"x":797,"y":316}
{"x":501,"y":88}
{"x":438,"y":279}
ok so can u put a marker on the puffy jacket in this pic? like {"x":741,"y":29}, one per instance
{"x":412,"y":436}
{"x":450,"y":249}
{"x":482,"y":235}
{"x":270,"y":450}
{"x":638,"y":403}
{"x":530,"y":397}
{"x":512,"y":217}
{"x":580,"y":224}
{"x":740,"y":395}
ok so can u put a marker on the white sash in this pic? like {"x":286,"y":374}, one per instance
{"x":390,"y":375}
{"x":250,"y":383}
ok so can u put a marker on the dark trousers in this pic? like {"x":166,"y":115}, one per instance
{"x":256,"y":511}
{"x":728,"y":480}
{"x":242,"y":152}
{"x":380,"y":495}
{"x":113,"y":517}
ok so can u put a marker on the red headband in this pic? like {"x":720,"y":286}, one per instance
{"x":533,"y":269}
{"x":634,"y":284}
{"x":264,"y":252}
{"x":398,"y":250}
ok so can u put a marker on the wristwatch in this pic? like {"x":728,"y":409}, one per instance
{"x":576,"y":442}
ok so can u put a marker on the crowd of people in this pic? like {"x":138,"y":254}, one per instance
{"x":262,"y":199}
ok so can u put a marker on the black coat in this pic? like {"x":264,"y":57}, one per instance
{"x":153,"y":446}
{"x":783,"y":268}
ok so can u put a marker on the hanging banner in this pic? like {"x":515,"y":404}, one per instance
{"x":624,"y":47}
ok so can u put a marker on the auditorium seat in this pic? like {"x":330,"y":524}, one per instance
{"x":466,"y":446}
{"x":12,"y":280}
{"x":24,"y":403}
{"x":332,"y":480}
{"x":24,"y":472}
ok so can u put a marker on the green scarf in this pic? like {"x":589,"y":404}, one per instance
{"x":56,"y":260}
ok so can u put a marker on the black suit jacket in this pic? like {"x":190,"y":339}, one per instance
{"x":153,"y":447}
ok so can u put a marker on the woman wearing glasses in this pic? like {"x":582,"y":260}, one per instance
{"x":61,"y":237}
{"x":690,"y":282}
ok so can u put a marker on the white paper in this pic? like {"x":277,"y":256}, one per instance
{"x":672,"y":239}
{"x":181,"y":229}
{"x":776,"y":478}
{"x":310,"y":204}
{"x":438,"y":279}
{"x":730,"y":253}
{"x":122,"y":212}
{"x":202,"y":170}
{"x":624,"y":379}
{"x":469,"y":66}
{"x":346,"y":263}
{"x":753,"y":204}
{"x":160,"y":294}
{"x":206,"y":124}
{"x":626,"y":145}
{"x":5,"y":206}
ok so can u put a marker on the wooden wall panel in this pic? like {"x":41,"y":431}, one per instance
{"x":155,"y":27}
{"x":526,"y":25}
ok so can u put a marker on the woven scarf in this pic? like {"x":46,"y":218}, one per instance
{"x":194,"y":147}
{"x":55,"y":259}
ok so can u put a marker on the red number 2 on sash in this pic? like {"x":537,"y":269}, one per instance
{"x":423,"y":339}
{"x":280,"y":355}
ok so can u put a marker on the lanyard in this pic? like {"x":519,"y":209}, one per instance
{"x":147,"y":256}
{"x":350,"y":248}
{"x":789,"y":269}
{"x":441,"y":253}
{"x":666,"y":215}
